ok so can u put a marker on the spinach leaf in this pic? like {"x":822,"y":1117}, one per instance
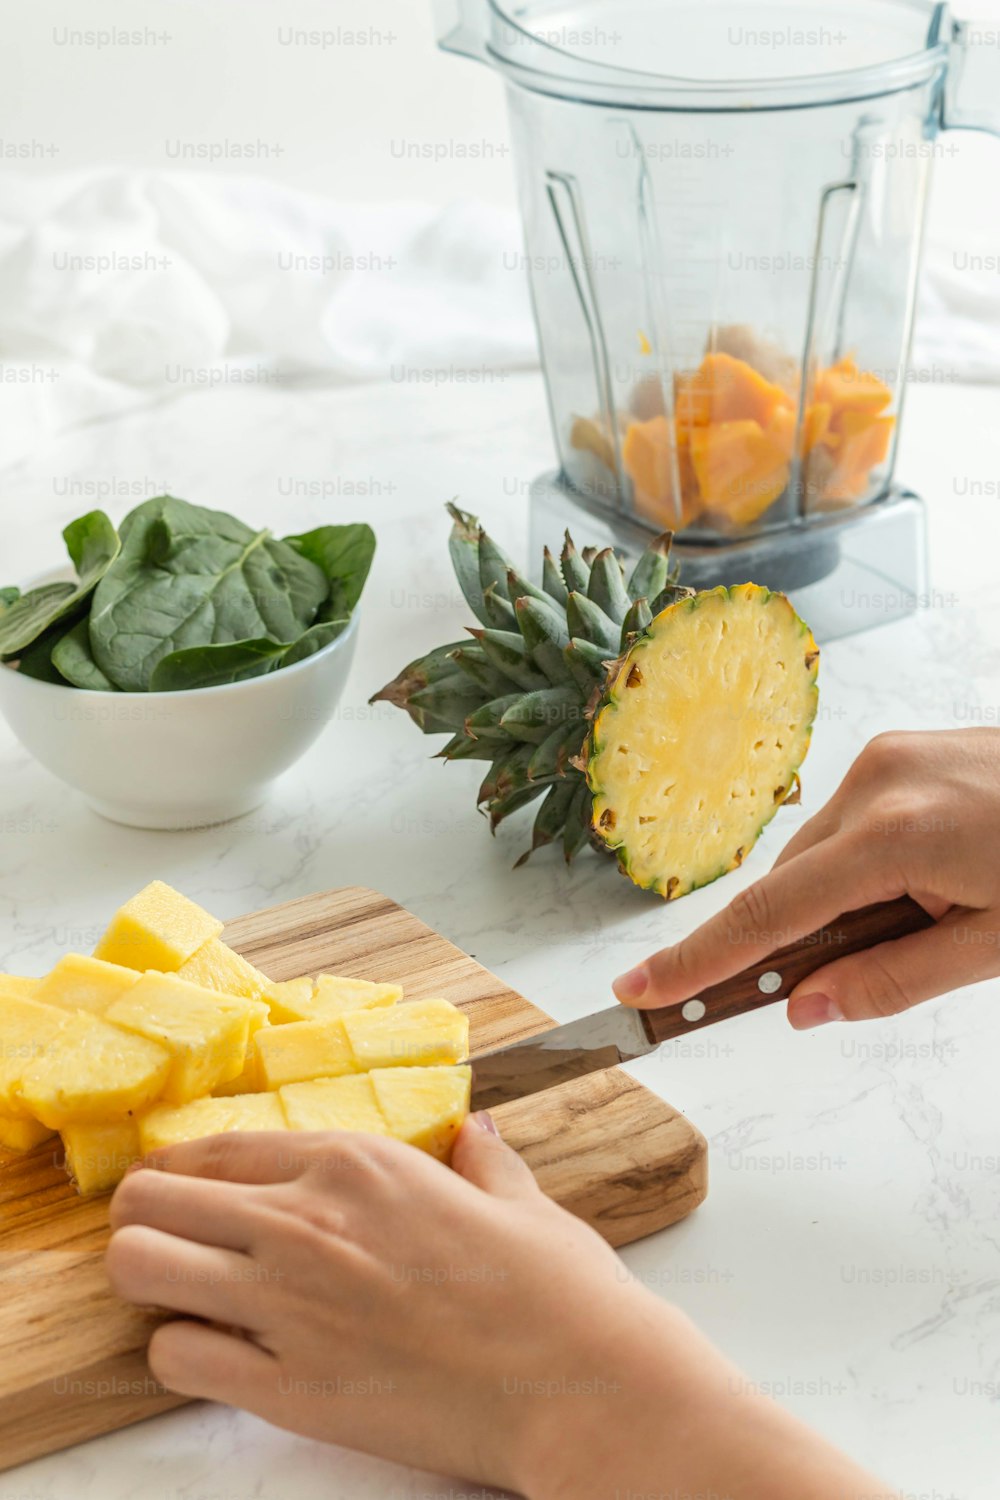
{"x":314,"y":640}
{"x":7,"y":598}
{"x":190,"y":578}
{"x":211,"y":666}
{"x":237,"y":661}
{"x":93,"y":545}
{"x":345,"y":554}
{"x":72,"y":656}
{"x":36,"y":660}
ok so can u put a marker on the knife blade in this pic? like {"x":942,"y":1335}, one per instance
{"x":622,"y":1034}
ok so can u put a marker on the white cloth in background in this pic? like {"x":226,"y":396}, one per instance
{"x":118,"y":288}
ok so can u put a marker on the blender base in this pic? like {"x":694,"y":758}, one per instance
{"x":844,"y":573}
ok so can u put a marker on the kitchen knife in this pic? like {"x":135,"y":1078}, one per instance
{"x":621,"y":1034}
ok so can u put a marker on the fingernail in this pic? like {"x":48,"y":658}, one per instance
{"x":484,"y":1121}
{"x":807,"y":1012}
{"x":631,"y":986}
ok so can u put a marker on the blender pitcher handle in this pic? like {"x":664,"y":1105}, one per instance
{"x":971,"y":98}
{"x":460,"y":26}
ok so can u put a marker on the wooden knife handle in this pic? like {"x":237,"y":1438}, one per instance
{"x":773,"y":978}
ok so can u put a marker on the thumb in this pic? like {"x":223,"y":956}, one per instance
{"x":483,"y":1158}
{"x":962,"y":948}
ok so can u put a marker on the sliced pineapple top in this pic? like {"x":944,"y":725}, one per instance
{"x":700,"y":736}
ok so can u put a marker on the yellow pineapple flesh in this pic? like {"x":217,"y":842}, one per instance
{"x":424,"y":1107}
{"x":699,"y":737}
{"x":79,"y":982}
{"x":417,"y":1033}
{"x":167,"y":1125}
{"x":157,"y":929}
{"x":91,"y":1071}
{"x":205,"y":1034}
{"x":347,"y":1103}
{"x":98,"y":1155}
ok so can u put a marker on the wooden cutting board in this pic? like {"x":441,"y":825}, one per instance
{"x":73,"y":1358}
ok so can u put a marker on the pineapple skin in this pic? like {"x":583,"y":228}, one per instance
{"x":606,"y":733}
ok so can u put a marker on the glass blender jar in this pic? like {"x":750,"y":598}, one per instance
{"x":723,"y":207}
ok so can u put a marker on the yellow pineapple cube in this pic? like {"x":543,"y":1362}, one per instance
{"x":303,"y":1050}
{"x":79,"y":982}
{"x":22,"y":1135}
{"x":27,"y":1030}
{"x":165,"y":1126}
{"x":418,"y":1033}
{"x":218,"y":967}
{"x":99,"y":1155}
{"x":328,"y":995}
{"x":347,"y":1103}
{"x":204,"y":1033}
{"x":424,"y":1107}
{"x":92,"y":1071}
{"x":14,"y":984}
{"x":157,"y":929}
{"x":247,"y":1082}
{"x":287,"y":997}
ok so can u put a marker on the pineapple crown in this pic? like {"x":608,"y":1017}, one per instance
{"x":521,"y":693}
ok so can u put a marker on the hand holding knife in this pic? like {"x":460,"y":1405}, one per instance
{"x":621,"y":1034}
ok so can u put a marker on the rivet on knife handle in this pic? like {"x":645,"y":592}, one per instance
{"x":775,"y":976}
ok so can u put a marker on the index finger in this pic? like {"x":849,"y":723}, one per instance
{"x":796,"y":898}
{"x":263,"y":1157}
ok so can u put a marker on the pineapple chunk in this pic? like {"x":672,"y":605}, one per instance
{"x":247,"y":1082}
{"x":22,"y":1135}
{"x":165,"y":1126}
{"x":217,"y":967}
{"x":330,"y":995}
{"x":347,"y":1103}
{"x":99,"y":1155}
{"x":13,"y":984}
{"x":416,"y":1033}
{"x":286,"y":996}
{"x":303,"y":1050}
{"x":204,"y":1033}
{"x":79,"y":982}
{"x":27,"y":1030}
{"x":424,"y":1107}
{"x":158,"y":929}
{"x":90,"y":1071}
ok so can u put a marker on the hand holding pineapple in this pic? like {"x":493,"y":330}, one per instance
{"x":913,"y":816}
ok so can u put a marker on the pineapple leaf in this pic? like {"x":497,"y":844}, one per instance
{"x":497,"y":609}
{"x":588,"y":621}
{"x":639,"y":616}
{"x":544,"y":632}
{"x":463,"y":747}
{"x":550,"y":817}
{"x":577,"y":829}
{"x":419,"y":674}
{"x":552,"y":580}
{"x":534,"y":715}
{"x":574,"y":569}
{"x":652,"y":572}
{"x":507,"y":651}
{"x":607,"y":586}
{"x":463,"y":545}
{"x":502,"y":807}
{"x":471,"y":659}
{"x":485,"y":722}
{"x":521,"y":588}
{"x":494,"y":565}
{"x":450,"y":700}
{"x":551,"y":757}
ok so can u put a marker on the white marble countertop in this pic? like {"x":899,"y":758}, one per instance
{"x":848,"y":1255}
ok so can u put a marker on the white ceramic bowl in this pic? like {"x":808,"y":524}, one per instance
{"x":179,"y":760}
